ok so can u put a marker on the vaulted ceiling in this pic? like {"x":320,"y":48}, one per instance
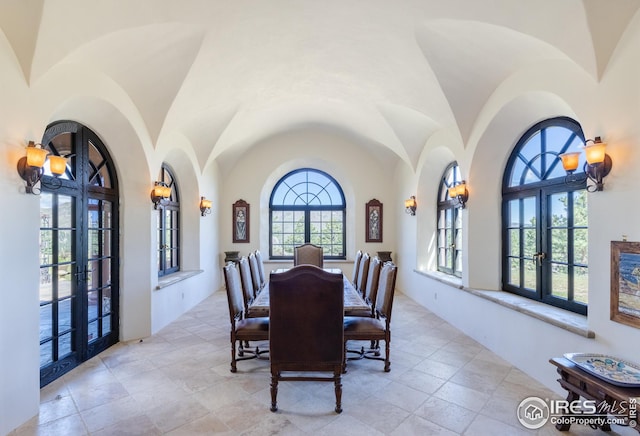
{"x":227,"y":74}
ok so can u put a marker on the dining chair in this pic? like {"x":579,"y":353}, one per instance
{"x":255,"y":274}
{"x":247,"y":282}
{"x":242,"y":329}
{"x":356,"y":267}
{"x":308,"y":254}
{"x":248,"y":290}
{"x":370,"y":290}
{"x":306,"y":331}
{"x":260,"y":261}
{"x":378,"y":328}
{"x":363,"y":273}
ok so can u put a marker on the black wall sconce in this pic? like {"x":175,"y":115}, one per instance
{"x":31,"y":166}
{"x":205,"y":206}
{"x":598,"y":163}
{"x":160,"y":194}
{"x":410,"y":205}
{"x":459,"y":193}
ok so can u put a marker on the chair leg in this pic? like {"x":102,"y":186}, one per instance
{"x":274,"y":391}
{"x":387,"y":363}
{"x":338,"y":389}
{"x":233,"y":355}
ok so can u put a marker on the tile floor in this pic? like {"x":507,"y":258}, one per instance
{"x":178,"y":383}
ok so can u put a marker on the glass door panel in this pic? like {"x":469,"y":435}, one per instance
{"x":57,"y":285}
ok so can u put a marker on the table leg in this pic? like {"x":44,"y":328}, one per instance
{"x":571,"y":396}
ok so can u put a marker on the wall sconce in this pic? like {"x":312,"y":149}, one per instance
{"x":410,"y":205}
{"x":598,"y":163}
{"x":160,"y":193}
{"x":205,"y":206}
{"x":459,"y":193}
{"x":30,"y":167}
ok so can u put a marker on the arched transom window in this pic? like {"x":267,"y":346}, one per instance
{"x":307,"y":206}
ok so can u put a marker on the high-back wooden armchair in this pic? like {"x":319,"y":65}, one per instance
{"x":379,"y":328}
{"x":243,"y":329}
{"x":260,"y":262}
{"x":306,"y":327}
{"x":255,"y":274}
{"x":363,"y":273}
{"x":308,"y":254}
{"x":356,"y":267}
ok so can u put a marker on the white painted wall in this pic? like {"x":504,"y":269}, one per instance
{"x":361,"y":176}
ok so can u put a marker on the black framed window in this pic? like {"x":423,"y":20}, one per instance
{"x":307,"y":206}
{"x":449,"y":224}
{"x":168,"y":226}
{"x":544,"y":218}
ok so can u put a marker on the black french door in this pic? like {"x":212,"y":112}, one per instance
{"x":79,"y":287}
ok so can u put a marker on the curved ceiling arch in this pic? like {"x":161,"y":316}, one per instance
{"x":151,"y":74}
{"x":470,"y":59}
{"x":112,"y":126}
{"x":364,"y":125}
{"x":570,"y":85}
{"x":510,"y":123}
{"x":69,"y":83}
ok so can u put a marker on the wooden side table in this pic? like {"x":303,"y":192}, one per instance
{"x":612,"y":399}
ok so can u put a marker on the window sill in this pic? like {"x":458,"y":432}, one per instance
{"x":563,"y":319}
{"x":176,"y":277}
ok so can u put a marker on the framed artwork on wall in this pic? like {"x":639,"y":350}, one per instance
{"x":373,"y":221}
{"x":625,"y":282}
{"x":240,"y":221}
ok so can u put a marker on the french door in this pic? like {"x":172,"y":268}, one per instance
{"x":79,"y":287}
{"x":545,"y":243}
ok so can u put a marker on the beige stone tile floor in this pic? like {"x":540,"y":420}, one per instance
{"x":178,"y":382}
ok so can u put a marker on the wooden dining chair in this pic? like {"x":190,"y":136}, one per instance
{"x":255,"y":274}
{"x":308,"y":254}
{"x":376,"y":329}
{"x":247,"y":282}
{"x":356,"y":267}
{"x":370,"y":290}
{"x":260,"y":262}
{"x":306,"y":328}
{"x":363,"y":273}
{"x":248,"y":290}
{"x":243,"y":330}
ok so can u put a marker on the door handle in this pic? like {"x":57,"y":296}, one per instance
{"x":538,"y":258}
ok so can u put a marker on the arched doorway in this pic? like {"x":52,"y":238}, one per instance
{"x":79,"y":254}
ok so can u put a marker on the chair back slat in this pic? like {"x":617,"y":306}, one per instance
{"x":386,"y":289}
{"x":234,"y":291}
{"x":260,"y":261}
{"x":363,"y":273}
{"x":356,"y":267}
{"x":255,"y":274}
{"x":247,"y":281}
{"x":371,"y":290}
{"x":308,"y":254}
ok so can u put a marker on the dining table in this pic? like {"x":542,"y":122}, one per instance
{"x":352,"y":298}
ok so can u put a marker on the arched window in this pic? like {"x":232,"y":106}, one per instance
{"x":544,"y":218}
{"x":449,"y":224}
{"x":168,"y":226}
{"x":307,"y":206}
